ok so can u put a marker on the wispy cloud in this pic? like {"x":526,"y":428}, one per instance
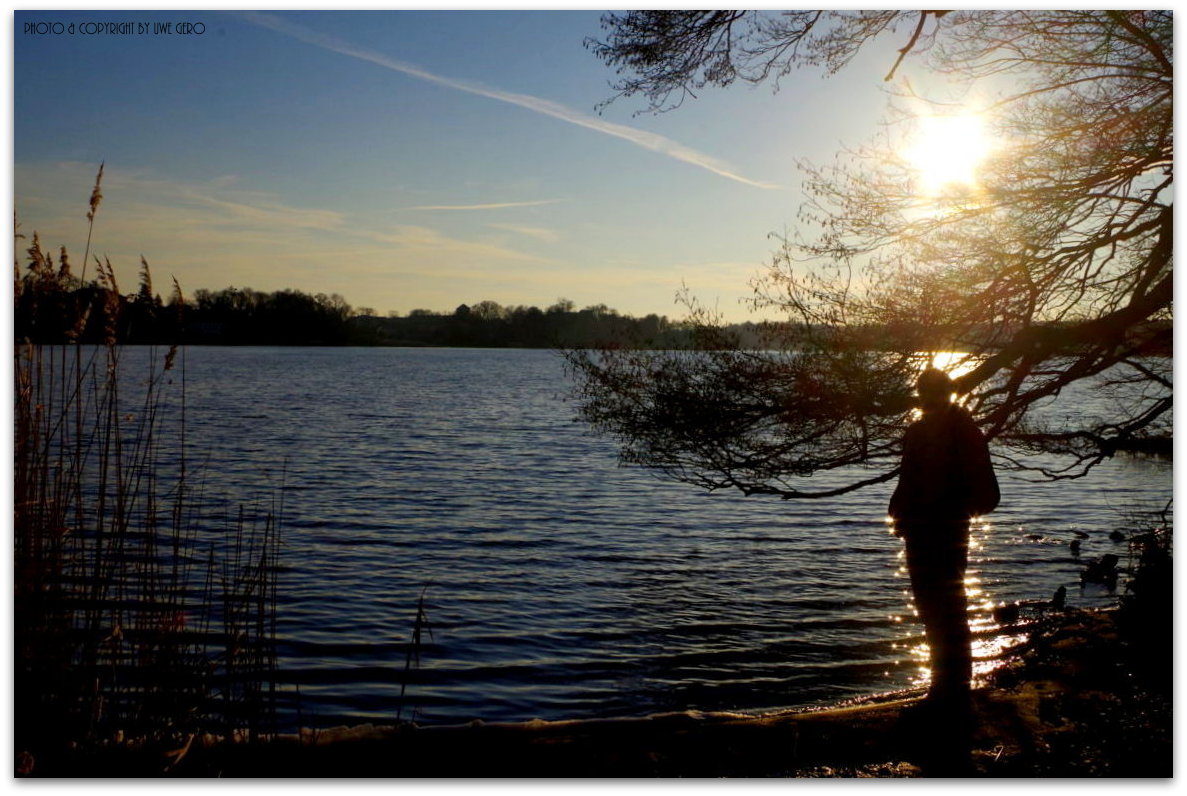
{"x":431,"y":242}
{"x":211,"y":234}
{"x":266,"y":214}
{"x":647,"y":140}
{"x":191,"y":207}
{"x":539,"y":233}
{"x":490,"y":206}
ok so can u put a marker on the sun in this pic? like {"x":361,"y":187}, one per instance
{"x":946,"y":151}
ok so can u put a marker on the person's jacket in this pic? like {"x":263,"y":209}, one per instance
{"x":946,"y":472}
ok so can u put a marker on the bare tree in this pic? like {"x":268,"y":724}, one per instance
{"x":1053,"y":269}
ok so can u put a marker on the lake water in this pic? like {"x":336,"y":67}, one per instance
{"x":558,"y":584}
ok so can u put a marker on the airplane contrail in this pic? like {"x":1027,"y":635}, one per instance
{"x":651,"y":141}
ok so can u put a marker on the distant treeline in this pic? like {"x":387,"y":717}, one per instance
{"x":486,"y":323}
{"x":53,"y":307}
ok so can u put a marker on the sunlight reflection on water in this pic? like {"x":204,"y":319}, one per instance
{"x":954,"y":363}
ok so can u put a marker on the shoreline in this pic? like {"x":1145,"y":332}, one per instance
{"x":1073,"y":700}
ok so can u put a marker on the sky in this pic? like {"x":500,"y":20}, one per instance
{"x":410,"y":159}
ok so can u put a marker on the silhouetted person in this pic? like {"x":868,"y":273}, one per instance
{"x":946,"y":479}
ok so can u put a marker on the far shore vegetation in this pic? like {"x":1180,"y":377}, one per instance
{"x":49,"y":314}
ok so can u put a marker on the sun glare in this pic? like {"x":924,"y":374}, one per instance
{"x":954,"y":363}
{"x":947,"y":150}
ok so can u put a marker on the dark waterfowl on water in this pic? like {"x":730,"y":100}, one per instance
{"x":1103,"y":570}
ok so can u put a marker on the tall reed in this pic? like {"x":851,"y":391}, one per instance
{"x":420,"y":626}
{"x":135,"y":615}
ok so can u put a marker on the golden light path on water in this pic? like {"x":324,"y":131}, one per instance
{"x":991,"y":638}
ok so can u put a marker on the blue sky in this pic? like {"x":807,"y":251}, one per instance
{"x":411,"y":159}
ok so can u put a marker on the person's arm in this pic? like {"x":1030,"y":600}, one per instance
{"x":899,"y":497}
{"x":980,"y":480}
